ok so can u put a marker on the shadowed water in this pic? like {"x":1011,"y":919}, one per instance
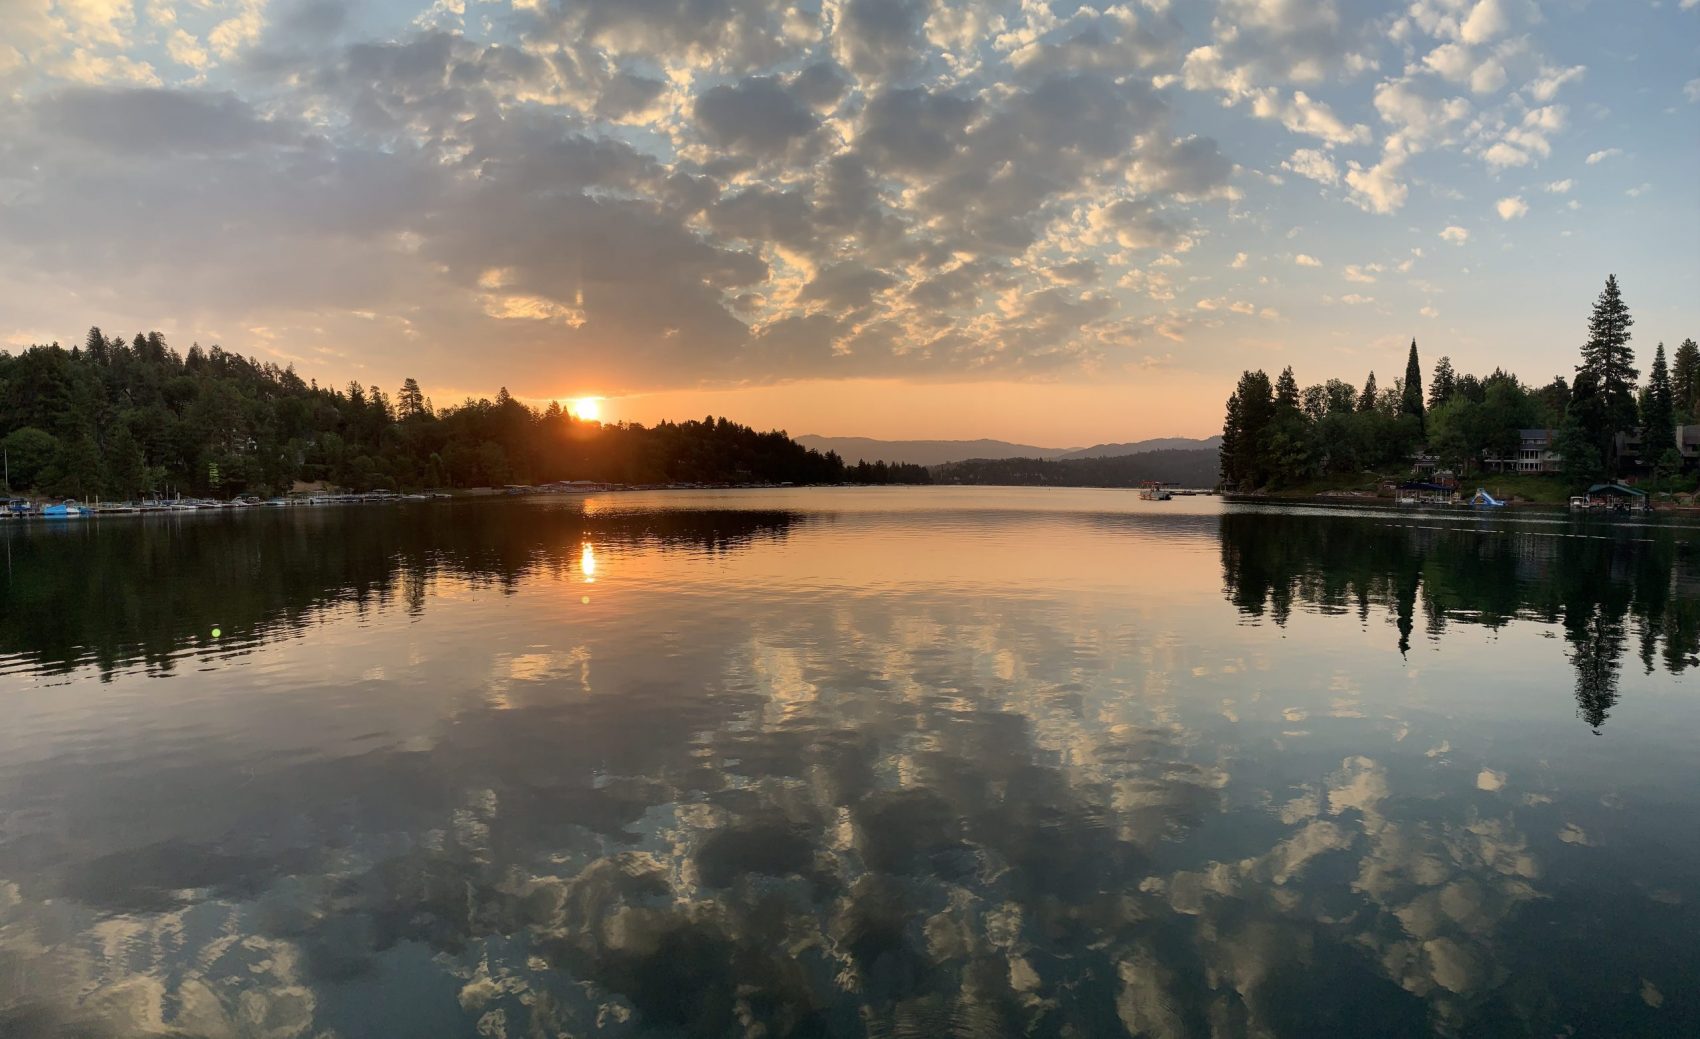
{"x":895,"y":762}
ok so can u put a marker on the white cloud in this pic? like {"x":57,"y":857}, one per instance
{"x":1358,"y":274}
{"x":1595,"y":158}
{"x":1456,"y":63}
{"x":1239,"y":261}
{"x":1354,"y":299}
{"x":1486,"y":21}
{"x":1304,"y":260}
{"x":1455,"y":234}
{"x":1544,"y":87}
{"x":1314,"y":164}
{"x":1639,"y":190}
{"x":1691,"y":89}
{"x":1511,"y":208}
{"x":1501,"y":155}
{"x":1378,"y":188}
{"x":186,"y":50}
{"x":1428,"y":311}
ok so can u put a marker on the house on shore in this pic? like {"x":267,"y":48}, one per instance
{"x":1535,"y":454}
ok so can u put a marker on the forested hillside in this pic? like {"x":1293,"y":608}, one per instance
{"x":1195,"y":468}
{"x":124,"y":419}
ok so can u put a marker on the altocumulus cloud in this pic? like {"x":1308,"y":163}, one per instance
{"x":663,"y":192}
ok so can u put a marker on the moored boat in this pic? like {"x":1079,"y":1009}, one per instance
{"x":67,"y":509}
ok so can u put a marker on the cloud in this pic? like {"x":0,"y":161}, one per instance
{"x":1313,"y":164}
{"x":757,"y":113}
{"x":1545,"y":86}
{"x":1595,"y":158}
{"x":1559,"y":187}
{"x":1455,"y":234}
{"x":1486,"y":20}
{"x":157,"y":121}
{"x":1691,"y":89}
{"x":1362,"y":275}
{"x":1304,"y":260}
{"x":1238,"y":261}
{"x":1511,"y":208}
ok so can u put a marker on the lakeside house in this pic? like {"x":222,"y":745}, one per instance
{"x":1535,"y":454}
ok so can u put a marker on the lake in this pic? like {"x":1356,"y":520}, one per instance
{"x":821,"y":762}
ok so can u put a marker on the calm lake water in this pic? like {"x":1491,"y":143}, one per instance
{"x":894,"y":762}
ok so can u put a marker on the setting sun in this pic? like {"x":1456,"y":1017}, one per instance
{"x":588,"y":409}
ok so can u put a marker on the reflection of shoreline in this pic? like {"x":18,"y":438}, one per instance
{"x":114,"y":594}
{"x":1596,"y":587}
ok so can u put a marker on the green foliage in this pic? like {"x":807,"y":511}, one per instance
{"x":1411,"y":390}
{"x":1444,"y":384}
{"x":29,"y":453}
{"x":1658,"y":414}
{"x":117,"y":420}
{"x":1608,"y":358}
{"x":1178,"y":467}
{"x":1685,"y":383}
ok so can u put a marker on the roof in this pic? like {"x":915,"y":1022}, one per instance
{"x":1616,"y":488}
{"x":1535,"y":434}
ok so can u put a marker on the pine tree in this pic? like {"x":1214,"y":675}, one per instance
{"x":1685,"y":383}
{"x":1607,"y":356}
{"x":1287,"y":392}
{"x":1444,"y":385}
{"x":95,"y":346}
{"x":1658,"y":419}
{"x":1250,"y":411}
{"x":409,"y":401}
{"x":1411,"y":401}
{"x":1367,"y":401}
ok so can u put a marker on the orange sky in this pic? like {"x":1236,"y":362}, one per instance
{"x":1044,"y":415}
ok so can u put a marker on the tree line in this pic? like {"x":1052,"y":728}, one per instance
{"x":1276,"y":434}
{"x":1180,"y":467}
{"x":119,"y":419}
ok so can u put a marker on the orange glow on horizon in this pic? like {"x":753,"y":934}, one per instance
{"x":585,"y":409}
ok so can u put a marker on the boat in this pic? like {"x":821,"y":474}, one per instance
{"x":1153,"y":490}
{"x":19,"y":507}
{"x":67,"y":509}
{"x":1580,"y":502}
{"x":1485,"y":500}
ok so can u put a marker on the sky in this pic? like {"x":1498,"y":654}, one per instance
{"x":1058,"y":223}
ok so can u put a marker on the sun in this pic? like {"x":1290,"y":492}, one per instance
{"x":586,"y":409}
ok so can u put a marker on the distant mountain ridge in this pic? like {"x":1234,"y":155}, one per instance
{"x":1140,"y":447}
{"x":939,"y":452}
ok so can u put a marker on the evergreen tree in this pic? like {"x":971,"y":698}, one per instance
{"x":94,"y":346}
{"x":1658,"y":418}
{"x":1370,"y":397}
{"x":1685,"y":383}
{"x":1287,"y":392}
{"x":1440,"y":390}
{"x":1411,"y":401}
{"x":1608,"y":358}
{"x":1250,"y":411}
{"x":409,"y":402}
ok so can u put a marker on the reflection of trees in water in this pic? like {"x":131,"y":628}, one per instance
{"x":1596,"y":587}
{"x":149,"y":588}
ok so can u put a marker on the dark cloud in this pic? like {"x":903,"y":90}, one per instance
{"x":847,"y":285}
{"x":757,"y":113}
{"x":882,"y":39}
{"x":147,"y":120}
{"x":635,"y":192}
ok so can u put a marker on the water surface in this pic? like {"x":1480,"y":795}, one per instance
{"x":906,"y":762}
